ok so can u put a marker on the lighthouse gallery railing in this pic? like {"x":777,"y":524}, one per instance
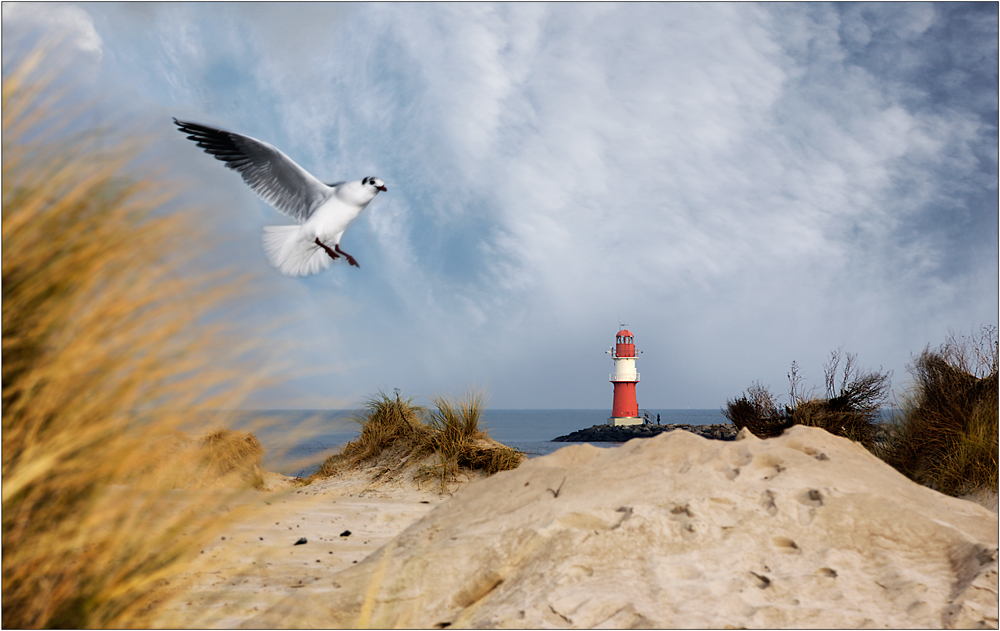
{"x":611,"y":377}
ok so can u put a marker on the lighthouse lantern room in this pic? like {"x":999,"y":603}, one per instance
{"x":625,"y":408}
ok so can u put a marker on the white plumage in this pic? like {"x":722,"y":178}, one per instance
{"x":323,"y":210}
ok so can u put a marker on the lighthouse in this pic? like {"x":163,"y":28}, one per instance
{"x":625,"y":408}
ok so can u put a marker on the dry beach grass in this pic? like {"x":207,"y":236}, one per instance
{"x":104,"y":339}
{"x":945,"y":435}
{"x":394,"y":435}
{"x":109,"y":368}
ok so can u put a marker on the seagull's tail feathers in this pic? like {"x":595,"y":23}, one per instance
{"x":292,"y":252}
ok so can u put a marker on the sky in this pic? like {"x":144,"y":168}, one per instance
{"x":744,"y":185}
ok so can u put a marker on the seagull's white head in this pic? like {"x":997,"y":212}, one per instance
{"x":375,"y":183}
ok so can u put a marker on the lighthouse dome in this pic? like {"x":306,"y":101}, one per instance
{"x":625,"y":344}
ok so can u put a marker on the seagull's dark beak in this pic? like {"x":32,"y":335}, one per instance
{"x":381,"y":188}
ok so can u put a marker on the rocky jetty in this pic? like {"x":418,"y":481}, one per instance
{"x":622,"y":433}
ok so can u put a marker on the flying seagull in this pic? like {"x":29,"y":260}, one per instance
{"x":323,"y":210}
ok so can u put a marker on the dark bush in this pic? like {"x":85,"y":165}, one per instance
{"x":757,"y":411}
{"x":851,"y":407}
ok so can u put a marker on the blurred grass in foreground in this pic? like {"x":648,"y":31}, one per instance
{"x":105,"y":359}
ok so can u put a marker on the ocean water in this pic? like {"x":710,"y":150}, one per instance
{"x":531,"y":431}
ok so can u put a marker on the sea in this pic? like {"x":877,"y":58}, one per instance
{"x":297,"y":441}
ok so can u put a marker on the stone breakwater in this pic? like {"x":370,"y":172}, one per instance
{"x":622,"y":433}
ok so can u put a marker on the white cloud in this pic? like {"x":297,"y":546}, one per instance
{"x":68,"y":25}
{"x":737,"y":181}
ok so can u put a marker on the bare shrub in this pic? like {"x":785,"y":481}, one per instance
{"x":758,"y":411}
{"x":851,"y":407}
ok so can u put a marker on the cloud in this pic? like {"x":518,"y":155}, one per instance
{"x":745,"y":184}
{"x":27,"y":25}
{"x":66,"y":21}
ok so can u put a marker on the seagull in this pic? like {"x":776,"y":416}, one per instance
{"x":323,"y":211}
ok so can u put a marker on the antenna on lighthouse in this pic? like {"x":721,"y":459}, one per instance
{"x":621,"y":325}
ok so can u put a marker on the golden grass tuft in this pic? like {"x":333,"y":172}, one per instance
{"x":392,"y":430}
{"x":226,"y":451}
{"x":385,"y":423}
{"x":459,"y":443}
{"x":105,"y":358}
{"x":945,"y":434}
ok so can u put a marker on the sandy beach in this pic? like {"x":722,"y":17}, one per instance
{"x":257,"y":562}
{"x":755,"y":527}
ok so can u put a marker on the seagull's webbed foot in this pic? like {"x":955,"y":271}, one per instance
{"x":350,"y":259}
{"x":333,"y":255}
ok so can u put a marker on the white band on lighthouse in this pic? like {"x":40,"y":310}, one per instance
{"x":624,"y":370}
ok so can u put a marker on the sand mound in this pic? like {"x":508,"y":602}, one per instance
{"x":395,"y":469}
{"x":805,"y":530}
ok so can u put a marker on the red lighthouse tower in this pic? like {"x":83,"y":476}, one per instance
{"x":625,"y":408}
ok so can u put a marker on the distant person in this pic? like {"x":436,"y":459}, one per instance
{"x":657,"y":419}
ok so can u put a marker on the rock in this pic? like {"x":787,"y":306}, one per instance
{"x":623,"y":433}
{"x":301,"y":541}
{"x":803,"y":530}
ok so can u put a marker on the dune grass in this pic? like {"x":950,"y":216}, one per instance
{"x":106,"y":356}
{"x":393,"y":431}
{"x":385,"y":424}
{"x":945,"y":433}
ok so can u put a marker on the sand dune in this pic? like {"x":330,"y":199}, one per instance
{"x":804,"y":530}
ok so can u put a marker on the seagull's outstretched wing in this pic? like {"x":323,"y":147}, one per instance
{"x":270,"y":173}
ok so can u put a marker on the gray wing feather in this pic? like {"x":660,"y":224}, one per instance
{"x":272,"y":175}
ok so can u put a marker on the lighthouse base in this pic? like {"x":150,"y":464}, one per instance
{"x":625,"y":420}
